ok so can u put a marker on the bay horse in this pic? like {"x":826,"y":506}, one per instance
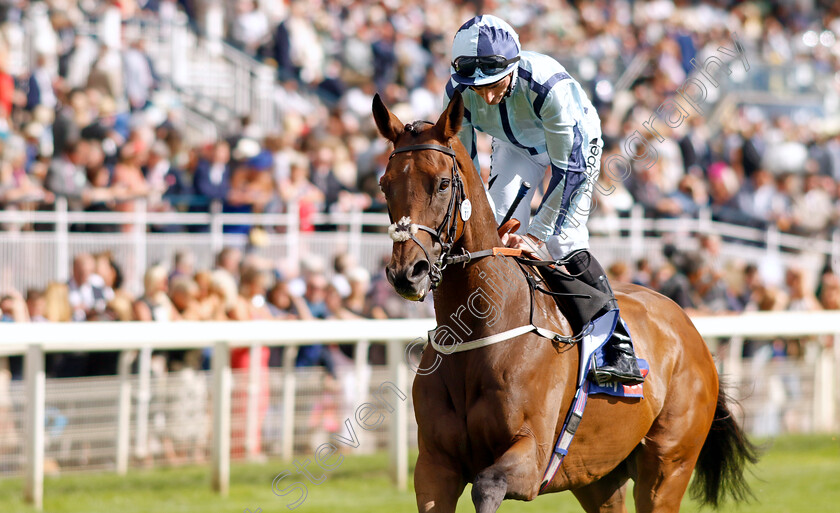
{"x":490,"y":416}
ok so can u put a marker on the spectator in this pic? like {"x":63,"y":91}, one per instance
{"x":57,"y":299}
{"x":106,"y":74}
{"x":229,"y":259}
{"x":643,"y":274}
{"x":88,"y":293}
{"x":36,"y":305}
{"x":813,"y":209}
{"x":13,"y":307}
{"x":316,"y":354}
{"x":212,"y":176}
{"x":750,"y":287}
{"x":251,"y":188}
{"x":112,"y":277}
{"x":128,"y":182}
{"x":300,"y":191}
{"x":323,"y":177}
{"x":17,"y":188}
{"x":183,"y":264}
{"x":168,"y":185}
{"x":619,"y":271}
{"x":7,"y":88}
{"x":249,"y":30}
{"x":800,"y":297}
{"x":184,"y":297}
{"x":357,"y":301}
{"x":140,"y":77}
{"x":40,"y":91}
{"x":66,"y":175}
{"x":676,"y":284}
{"x":646,"y":190}
{"x":283,"y":305}
{"x":830,"y":293}
{"x":154,"y":304}
{"x":253,"y":291}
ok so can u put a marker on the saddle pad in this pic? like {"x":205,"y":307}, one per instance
{"x":597,"y":334}
{"x":620,"y":390}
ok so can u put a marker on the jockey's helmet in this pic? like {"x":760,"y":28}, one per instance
{"x":485,"y":49}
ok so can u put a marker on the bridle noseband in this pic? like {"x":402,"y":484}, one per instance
{"x":404,"y":229}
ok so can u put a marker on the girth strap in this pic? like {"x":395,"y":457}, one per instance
{"x":498,"y":337}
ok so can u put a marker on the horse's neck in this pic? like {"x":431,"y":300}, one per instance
{"x":486,"y":297}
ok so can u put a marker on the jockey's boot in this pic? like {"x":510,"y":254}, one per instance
{"x":619,"y":359}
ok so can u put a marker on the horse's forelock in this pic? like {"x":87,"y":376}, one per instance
{"x":417,"y":127}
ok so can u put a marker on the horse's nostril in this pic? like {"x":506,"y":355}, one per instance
{"x":420,"y":269}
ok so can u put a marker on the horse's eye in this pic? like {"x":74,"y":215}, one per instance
{"x":444,"y":184}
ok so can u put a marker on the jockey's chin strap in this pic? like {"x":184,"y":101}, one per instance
{"x":405,"y":229}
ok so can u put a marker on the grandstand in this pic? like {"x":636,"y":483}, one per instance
{"x":192,"y":160}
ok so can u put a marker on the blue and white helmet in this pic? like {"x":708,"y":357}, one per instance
{"x":485,"y":49}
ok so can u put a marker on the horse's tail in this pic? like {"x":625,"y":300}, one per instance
{"x":723,"y":459}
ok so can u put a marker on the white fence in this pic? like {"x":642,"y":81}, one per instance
{"x":817,"y":409}
{"x":33,"y":258}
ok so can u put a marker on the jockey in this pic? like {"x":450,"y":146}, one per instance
{"x":538,"y":115}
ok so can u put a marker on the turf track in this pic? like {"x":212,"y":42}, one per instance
{"x":797,"y":474}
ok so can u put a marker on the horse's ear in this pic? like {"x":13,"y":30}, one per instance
{"x":449,"y":123}
{"x":388,"y":124}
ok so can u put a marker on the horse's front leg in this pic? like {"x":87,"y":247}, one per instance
{"x":514,"y":475}
{"x":436,"y":484}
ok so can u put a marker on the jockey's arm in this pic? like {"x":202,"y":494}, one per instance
{"x":558,"y":123}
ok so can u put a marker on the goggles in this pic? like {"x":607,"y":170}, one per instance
{"x":465,"y":66}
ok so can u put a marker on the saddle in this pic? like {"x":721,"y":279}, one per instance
{"x":578,"y":301}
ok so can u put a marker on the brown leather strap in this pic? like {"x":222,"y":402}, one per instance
{"x":507,"y":252}
{"x":509,"y":227}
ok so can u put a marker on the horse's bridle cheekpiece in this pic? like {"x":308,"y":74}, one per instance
{"x":404,"y":229}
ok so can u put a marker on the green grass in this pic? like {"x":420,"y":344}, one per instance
{"x":796,"y":474}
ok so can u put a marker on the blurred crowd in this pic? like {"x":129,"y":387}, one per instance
{"x":239,"y":287}
{"x":84,"y":124}
{"x":245,"y":286}
{"x":703,"y":282}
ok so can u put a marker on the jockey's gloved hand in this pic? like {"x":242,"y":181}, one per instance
{"x":528,"y":244}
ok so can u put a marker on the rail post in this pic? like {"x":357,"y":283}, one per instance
{"x":35,"y":382}
{"x":252,"y":416}
{"x":362,"y":389}
{"x":144,"y":397}
{"x":220,"y":480}
{"x":289,"y":385}
{"x":399,"y":423}
{"x":124,"y":410}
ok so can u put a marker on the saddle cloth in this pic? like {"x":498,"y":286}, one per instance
{"x":600,"y":330}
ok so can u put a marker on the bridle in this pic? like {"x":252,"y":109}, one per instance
{"x":404,"y":229}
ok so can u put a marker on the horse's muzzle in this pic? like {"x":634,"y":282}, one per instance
{"x":411,"y":281}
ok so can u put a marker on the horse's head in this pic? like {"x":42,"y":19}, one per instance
{"x":427,"y":194}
